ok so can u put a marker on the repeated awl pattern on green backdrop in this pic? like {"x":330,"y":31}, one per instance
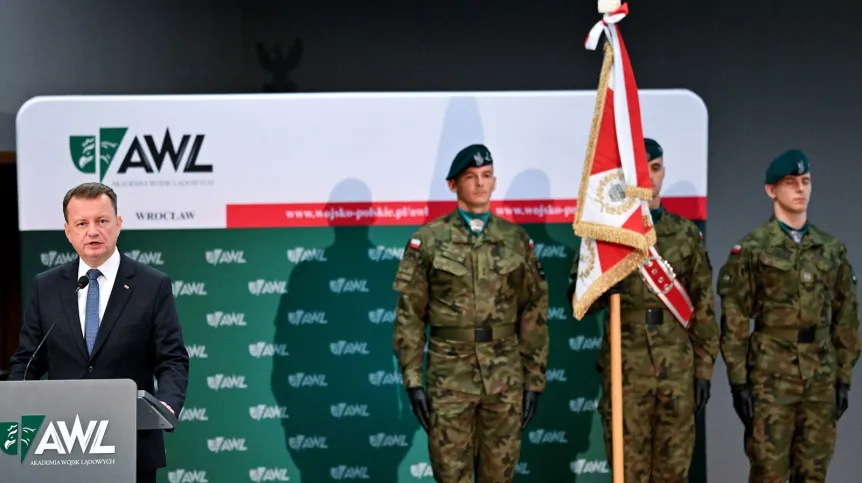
{"x":292,"y":373}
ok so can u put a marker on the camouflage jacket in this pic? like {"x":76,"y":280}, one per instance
{"x":669,"y":348}
{"x":450,"y":278}
{"x":785,"y":287}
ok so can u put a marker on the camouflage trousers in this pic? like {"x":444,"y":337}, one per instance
{"x":794,"y":428}
{"x":658,"y":426}
{"x":474,"y":432}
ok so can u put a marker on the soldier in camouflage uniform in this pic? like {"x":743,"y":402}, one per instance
{"x":666,"y":368}
{"x":474,"y":279}
{"x":790,"y":378}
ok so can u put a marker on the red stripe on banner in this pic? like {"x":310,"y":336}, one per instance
{"x":611,"y":254}
{"x":634,"y":108}
{"x":397,"y":213}
{"x":636,"y":222}
{"x":607,"y":153}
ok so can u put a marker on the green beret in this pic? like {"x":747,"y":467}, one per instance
{"x":475,"y":155}
{"x":791,"y":163}
{"x":653,"y":149}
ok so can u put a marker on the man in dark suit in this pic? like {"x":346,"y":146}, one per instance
{"x":124,"y":325}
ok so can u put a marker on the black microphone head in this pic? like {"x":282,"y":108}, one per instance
{"x":83,"y":281}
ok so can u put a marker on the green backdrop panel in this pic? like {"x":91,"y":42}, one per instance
{"x":292,"y":374}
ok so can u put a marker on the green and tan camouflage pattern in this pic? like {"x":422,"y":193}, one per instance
{"x":660,"y":362}
{"x":658,"y":422}
{"x":786,"y":287}
{"x":454,"y":279}
{"x":789,"y":286}
{"x":793,"y":430}
{"x":457,"y":418}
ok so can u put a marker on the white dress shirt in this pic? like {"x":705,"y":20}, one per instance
{"x":106,"y":284}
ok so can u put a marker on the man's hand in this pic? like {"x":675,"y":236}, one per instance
{"x":419,"y":405}
{"x":842,"y":399}
{"x":169,"y":408}
{"x":743,"y":404}
{"x":531,"y":401}
{"x":701,"y":394}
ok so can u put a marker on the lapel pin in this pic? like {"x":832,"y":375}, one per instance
{"x":126,"y":287}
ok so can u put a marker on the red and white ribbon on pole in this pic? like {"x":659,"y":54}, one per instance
{"x":608,"y":19}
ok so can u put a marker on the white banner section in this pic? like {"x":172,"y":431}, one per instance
{"x":236,"y":161}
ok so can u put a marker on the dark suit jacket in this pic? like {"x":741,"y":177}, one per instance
{"x":139,"y":337}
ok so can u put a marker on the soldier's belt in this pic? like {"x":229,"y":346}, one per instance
{"x":807,"y":335}
{"x":658,"y":276}
{"x":473,"y":334}
{"x":654,"y":317}
{"x":650,"y":317}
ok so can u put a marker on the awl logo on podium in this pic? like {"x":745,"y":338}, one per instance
{"x":57,"y":439}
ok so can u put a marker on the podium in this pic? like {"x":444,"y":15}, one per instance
{"x":75,"y":430}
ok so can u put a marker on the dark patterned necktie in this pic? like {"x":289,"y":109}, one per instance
{"x":91,"y":313}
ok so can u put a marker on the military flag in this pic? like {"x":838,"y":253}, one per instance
{"x":613,"y":218}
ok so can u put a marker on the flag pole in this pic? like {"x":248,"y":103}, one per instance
{"x":616,"y":390}
{"x":608,"y":6}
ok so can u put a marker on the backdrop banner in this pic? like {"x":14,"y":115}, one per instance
{"x":281,"y":220}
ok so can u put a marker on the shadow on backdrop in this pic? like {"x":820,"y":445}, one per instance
{"x":568,"y":405}
{"x":332,"y":321}
{"x":462,"y":126}
{"x":680,"y":188}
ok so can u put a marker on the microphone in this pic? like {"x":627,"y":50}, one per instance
{"x":82,"y":282}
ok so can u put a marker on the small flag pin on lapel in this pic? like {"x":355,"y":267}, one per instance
{"x":126,"y":287}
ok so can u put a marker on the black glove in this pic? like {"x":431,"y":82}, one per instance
{"x":701,"y":394}
{"x":570,"y":293}
{"x":842,"y":399}
{"x":605,"y":299}
{"x":531,"y":401}
{"x":419,"y":404}
{"x":618,"y":288}
{"x":743,"y":404}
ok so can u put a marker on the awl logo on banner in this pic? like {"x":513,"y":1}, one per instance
{"x":147,"y":155}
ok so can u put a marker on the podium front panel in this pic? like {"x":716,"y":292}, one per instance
{"x":68,"y":431}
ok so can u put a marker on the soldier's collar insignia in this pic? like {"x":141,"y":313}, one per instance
{"x":796,"y":236}
{"x":476,"y":225}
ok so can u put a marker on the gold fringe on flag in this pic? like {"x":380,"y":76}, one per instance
{"x":639,"y":192}
{"x":620,"y":236}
